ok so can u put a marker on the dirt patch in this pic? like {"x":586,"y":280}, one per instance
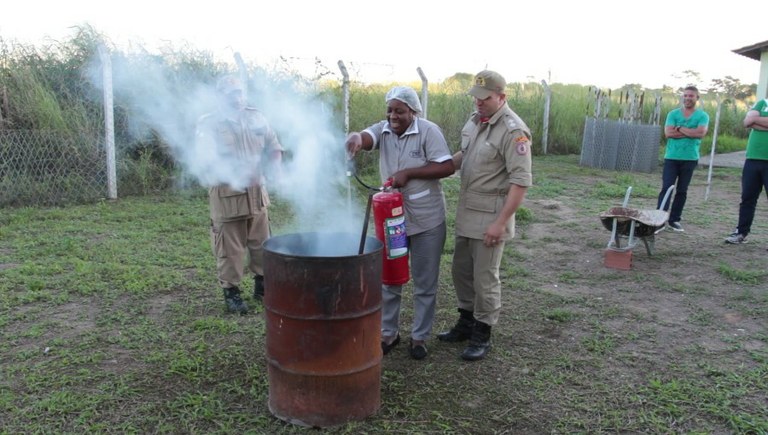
{"x":677,"y":298}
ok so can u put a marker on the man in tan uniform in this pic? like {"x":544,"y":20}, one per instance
{"x":239,"y":221}
{"x":495,"y":163}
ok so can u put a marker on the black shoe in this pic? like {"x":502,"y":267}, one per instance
{"x":386,"y":348}
{"x":454,"y":335}
{"x":258,"y":287}
{"x":475,"y":351}
{"x":418,"y":352}
{"x":462,"y":330}
{"x":479,"y":344}
{"x":234,"y":302}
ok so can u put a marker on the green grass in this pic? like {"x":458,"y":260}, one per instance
{"x":559,"y":315}
{"x":111,"y":322}
{"x":745,"y":276}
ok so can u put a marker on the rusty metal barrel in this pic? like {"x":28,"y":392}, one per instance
{"x":323,"y":319}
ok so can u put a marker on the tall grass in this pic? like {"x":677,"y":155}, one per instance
{"x":449,"y":107}
{"x":46,"y":88}
{"x":44,"y":85}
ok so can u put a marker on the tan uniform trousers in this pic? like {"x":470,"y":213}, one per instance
{"x":230,"y":241}
{"x":476,"y":278}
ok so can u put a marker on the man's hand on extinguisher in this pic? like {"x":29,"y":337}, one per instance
{"x":399,"y":179}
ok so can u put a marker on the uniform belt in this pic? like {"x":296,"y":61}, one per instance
{"x":498,"y":192}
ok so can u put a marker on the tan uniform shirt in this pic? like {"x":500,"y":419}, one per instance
{"x":497,"y":153}
{"x":246,"y":138}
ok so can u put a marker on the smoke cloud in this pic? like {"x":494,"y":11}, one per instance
{"x":157,"y":98}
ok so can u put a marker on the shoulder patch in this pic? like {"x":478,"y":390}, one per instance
{"x":522,"y":148}
{"x":522,"y":144}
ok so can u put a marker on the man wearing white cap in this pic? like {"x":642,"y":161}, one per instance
{"x":495,"y":163}
{"x":414,"y":155}
{"x":242,"y":139}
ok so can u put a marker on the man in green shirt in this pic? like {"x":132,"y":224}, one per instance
{"x":684,"y":128}
{"x":754,"y":176}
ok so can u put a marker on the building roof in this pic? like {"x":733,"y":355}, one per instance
{"x":753,"y":51}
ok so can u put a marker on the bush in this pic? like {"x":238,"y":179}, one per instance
{"x":725,"y":144}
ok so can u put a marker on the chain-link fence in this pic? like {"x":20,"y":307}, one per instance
{"x":618,"y":145}
{"x":40,"y":167}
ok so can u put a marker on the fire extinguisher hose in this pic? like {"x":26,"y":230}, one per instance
{"x":365,"y":224}
{"x":352,"y":170}
{"x":375,"y":189}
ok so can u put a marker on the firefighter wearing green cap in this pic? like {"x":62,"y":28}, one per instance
{"x":495,"y":165}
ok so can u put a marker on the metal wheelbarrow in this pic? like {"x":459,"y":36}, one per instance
{"x":633,"y":224}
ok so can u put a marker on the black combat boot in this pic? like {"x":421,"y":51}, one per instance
{"x":234,"y":302}
{"x":479,"y":343}
{"x":463,"y":329}
{"x":258,"y":287}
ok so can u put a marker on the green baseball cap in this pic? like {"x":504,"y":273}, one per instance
{"x":486,"y":83}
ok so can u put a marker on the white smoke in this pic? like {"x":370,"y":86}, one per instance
{"x":313,"y":179}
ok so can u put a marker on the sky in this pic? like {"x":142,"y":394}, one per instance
{"x":589,"y":42}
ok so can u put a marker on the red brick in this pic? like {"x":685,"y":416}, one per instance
{"x":618,"y":259}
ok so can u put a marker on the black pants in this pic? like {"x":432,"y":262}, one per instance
{"x":754,"y":178}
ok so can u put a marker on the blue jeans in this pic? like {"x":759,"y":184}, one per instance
{"x":680,"y":171}
{"x":754,"y":177}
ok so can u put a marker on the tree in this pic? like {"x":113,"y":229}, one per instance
{"x":634,"y":87}
{"x":690,"y":77}
{"x":732,"y":88}
{"x":459,"y":81}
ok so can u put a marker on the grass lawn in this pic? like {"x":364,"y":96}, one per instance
{"x":111,"y":322}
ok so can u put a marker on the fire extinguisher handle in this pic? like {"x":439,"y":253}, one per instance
{"x":388,"y":184}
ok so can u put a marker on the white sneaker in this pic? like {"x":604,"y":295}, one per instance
{"x":736,"y":239}
{"x":676,"y":227}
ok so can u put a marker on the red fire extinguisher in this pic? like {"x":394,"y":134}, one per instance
{"x":389,"y":218}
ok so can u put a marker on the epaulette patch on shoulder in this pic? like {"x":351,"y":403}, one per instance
{"x":521,"y":145}
{"x":511,"y":124}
